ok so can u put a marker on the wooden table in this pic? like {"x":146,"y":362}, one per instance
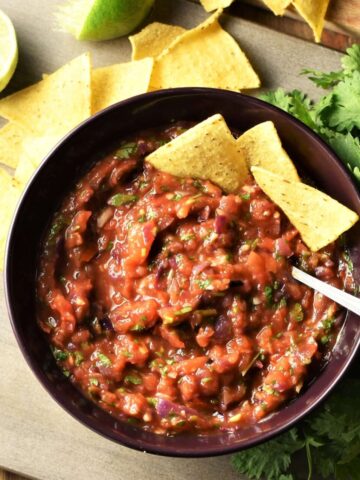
{"x":39,"y":447}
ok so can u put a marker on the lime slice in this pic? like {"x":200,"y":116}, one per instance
{"x":102,"y":19}
{"x":8,"y":50}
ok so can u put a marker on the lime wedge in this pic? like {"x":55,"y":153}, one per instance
{"x":102,"y":19}
{"x":8,"y":50}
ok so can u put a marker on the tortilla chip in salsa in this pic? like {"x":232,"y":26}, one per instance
{"x":207,"y":151}
{"x":262,"y":147}
{"x":312,"y":212}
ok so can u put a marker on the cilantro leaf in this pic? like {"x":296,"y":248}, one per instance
{"x":278,"y":98}
{"x":337,"y":427}
{"x":351,"y":61}
{"x":347,"y":147}
{"x":301,"y":108}
{"x":122,"y":199}
{"x":344,"y":115}
{"x":323,"y":80}
{"x":103,"y":360}
{"x":127,"y":150}
{"x":271,"y":460}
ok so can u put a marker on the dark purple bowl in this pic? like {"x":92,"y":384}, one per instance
{"x":58,"y":174}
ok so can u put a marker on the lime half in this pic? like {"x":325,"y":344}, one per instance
{"x":102,"y":19}
{"x":8,"y":50}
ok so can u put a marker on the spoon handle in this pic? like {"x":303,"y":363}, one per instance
{"x":347,"y":300}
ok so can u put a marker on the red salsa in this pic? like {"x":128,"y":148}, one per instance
{"x":172,"y":305}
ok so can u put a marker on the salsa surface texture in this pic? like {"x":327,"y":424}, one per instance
{"x":172,"y":305}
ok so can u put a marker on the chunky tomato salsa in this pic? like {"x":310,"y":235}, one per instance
{"x":172,"y":305}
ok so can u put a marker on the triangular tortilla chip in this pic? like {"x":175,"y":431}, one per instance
{"x":211,"y":5}
{"x":319,"y":218}
{"x":10,"y":192}
{"x":262,"y":147}
{"x":117,"y":82}
{"x":24,"y":169}
{"x":11,"y":140}
{"x":34,"y":151}
{"x":36,"y":148}
{"x":56,"y":104}
{"x":208,"y":151}
{"x":205,"y":56}
{"x":153,"y":39}
{"x":277,"y":6}
{"x":313,"y":12}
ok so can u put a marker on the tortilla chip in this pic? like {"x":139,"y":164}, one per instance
{"x":10,"y":192}
{"x":262,"y":147}
{"x":211,"y":5}
{"x":36,"y":148}
{"x":313,"y":12}
{"x":114,"y":83}
{"x":319,"y":218}
{"x":153,"y":39}
{"x":206,"y":151}
{"x":56,"y":104}
{"x":11,"y":139}
{"x":277,"y":6}
{"x":205,"y":56}
{"x":24,"y":169}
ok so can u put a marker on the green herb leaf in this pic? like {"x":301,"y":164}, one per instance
{"x":57,"y":226}
{"x":103,"y":360}
{"x":323,"y":80}
{"x":126,"y":150}
{"x":245,"y":196}
{"x":345,"y":113}
{"x":60,"y":355}
{"x":78,"y":358}
{"x":152,"y":401}
{"x":271,"y":460}
{"x":347,"y":147}
{"x":268,"y":292}
{"x":351,"y":61}
{"x":133,"y":379}
{"x":204,"y":284}
{"x":186,"y":237}
{"x":348,"y":261}
{"x":122,"y":199}
{"x":177,"y":196}
{"x":109,"y":246}
{"x":297,"y":313}
{"x":183,"y":311}
{"x":278,"y":98}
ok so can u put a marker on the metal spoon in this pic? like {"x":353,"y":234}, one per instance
{"x":342,"y":298}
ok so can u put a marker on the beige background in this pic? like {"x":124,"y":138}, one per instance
{"x":37,"y":438}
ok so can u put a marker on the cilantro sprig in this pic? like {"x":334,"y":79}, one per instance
{"x":336,"y":115}
{"x":329,"y":439}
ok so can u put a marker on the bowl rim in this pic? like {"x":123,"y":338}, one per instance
{"x":47,"y":384}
